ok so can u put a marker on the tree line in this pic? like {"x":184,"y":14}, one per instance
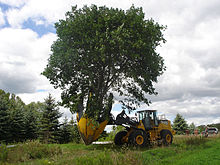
{"x":180,"y":126}
{"x":38,"y":120}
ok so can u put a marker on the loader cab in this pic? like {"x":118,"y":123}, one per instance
{"x":148,"y":118}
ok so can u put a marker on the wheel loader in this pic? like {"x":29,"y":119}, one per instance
{"x":140,"y":131}
{"x":144,"y":129}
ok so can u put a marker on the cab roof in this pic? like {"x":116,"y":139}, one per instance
{"x":148,"y":110}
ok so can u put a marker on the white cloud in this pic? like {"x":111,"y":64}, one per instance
{"x":23,"y":57}
{"x":2,"y":20}
{"x":191,"y":84}
{"x":39,"y":11}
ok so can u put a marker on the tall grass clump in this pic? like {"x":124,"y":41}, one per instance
{"x":3,"y":153}
{"x":33,"y":150}
{"x":190,"y":141}
{"x":37,"y":150}
{"x":98,"y":159}
{"x":196,"y":141}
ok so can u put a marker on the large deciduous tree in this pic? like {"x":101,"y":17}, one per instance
{"x":100,"y":51}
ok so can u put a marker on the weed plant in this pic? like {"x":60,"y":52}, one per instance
{"x":3,"y":153}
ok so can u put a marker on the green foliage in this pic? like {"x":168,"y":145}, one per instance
{"x":101,"y":158}
{"x":179,"y":124}
{"x":3,"y":153}
{"x":31,"y":124}
{"x":196,"y":141}
{"x":201,"y":128}
{"x":152,"y":156}
{"x":190,"y":142}
{"x":65,"y":132}
{"x":4,"y":117}
{"x":111,"y":135}
{"x":49,"y":128}
{"x":32,"y":150}
{"x":18,"y":125}
{"x":192,"y":127}
{"x":68,"y":132}
{"x":102,"y":49}
{"x":188,"y":150}
{"x":36,"y":150}
{"x":75,"y":136}
{"x":33,"y":117}
{"x":18,"y":122}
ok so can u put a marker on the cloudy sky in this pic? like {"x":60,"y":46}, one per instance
{"x":190,"y":86}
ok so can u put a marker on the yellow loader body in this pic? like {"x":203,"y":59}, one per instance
{"x":138,"y":132}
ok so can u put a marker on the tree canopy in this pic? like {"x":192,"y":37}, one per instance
{"x":100,"y":51}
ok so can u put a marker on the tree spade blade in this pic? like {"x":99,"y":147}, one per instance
{"x":88,"y":131}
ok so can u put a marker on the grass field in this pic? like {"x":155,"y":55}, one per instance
{"x":185,"y":150}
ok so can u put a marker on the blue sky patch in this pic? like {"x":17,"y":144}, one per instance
{"x":117,"y":107}
{"x":41,"y":90}
{"x":40,"y":29}
{"x":4,"y":7}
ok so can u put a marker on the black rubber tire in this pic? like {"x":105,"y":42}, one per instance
{"x":136,"y":135}
{"x":119,"y":136}
{"x":167,"y":137}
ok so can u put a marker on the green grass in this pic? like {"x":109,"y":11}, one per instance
{"x":184,"y":150}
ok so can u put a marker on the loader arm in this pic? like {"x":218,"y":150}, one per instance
{"x":123,"y":118}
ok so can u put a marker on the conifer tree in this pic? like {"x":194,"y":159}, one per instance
{"x":4,"y":117}
{"x":17,"y":117}
{"x":31,"y":125}
{"x":49,"y":128}
{"x":32,"y":119}
{"x":75,"y":136}
{"x":192,"y":128}
{"x":65,"y":132}
{"x":179,"y":124}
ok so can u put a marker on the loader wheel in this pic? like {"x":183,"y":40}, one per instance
{"x":167,"y":137}
{"x":119,"y":138}
{"x":138,"y":138}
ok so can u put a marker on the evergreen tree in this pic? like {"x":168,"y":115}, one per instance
{"x":32,"y":119}
{"x":31,"y":125}
{"x":17,"y":125}
{"x":179,"y":124}
{"x":49,"y":128}
{"x":75,"y":136}
{"x":65,"y":132}
{"x":192,"y":128}
{"x":4,"y":117}
{"x":17,"y":117}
